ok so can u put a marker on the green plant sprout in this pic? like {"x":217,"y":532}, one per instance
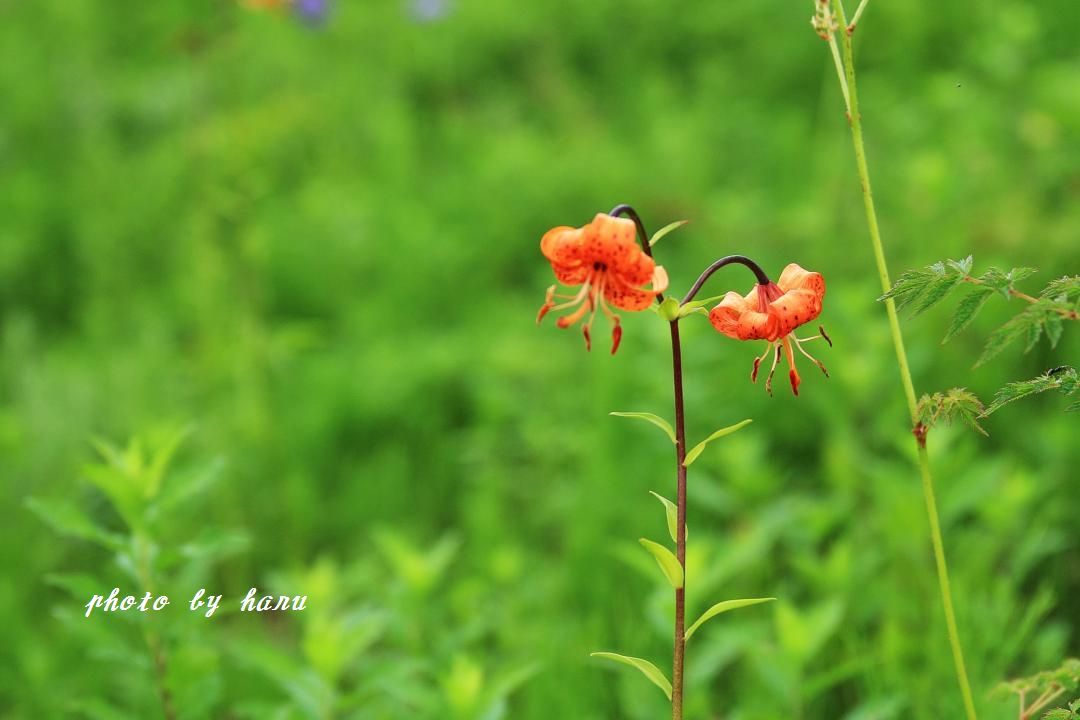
{"x":147,"y":544}
{"x":831,"y":21}
{"x":605,"y":259}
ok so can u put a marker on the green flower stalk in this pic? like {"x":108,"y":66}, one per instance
{"x":825,"y":23}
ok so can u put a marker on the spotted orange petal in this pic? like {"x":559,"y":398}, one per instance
{"x":625,"y":297}
{"x":801,"y":301}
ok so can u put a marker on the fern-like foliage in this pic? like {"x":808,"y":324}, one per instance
{"x":1064,"y":379}
{"x":919,"y":290}
{"x":951,"y":405}
{"x":1042,"y":316}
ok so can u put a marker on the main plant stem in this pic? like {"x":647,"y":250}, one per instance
{"x":680,"y":532}
{"x":678,"y":660}
{"x":855,"y":121}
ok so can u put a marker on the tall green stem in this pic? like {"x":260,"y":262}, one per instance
{"x":855,"y":121}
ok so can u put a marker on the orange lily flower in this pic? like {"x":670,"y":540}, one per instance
{"x":772,"y":313}
{"x":606,"y":260}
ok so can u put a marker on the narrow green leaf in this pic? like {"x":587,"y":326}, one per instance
{"x":647,"y":669}
{"x":723,"y":607}
{"x":649,"y":417}
{"x":667,"y":561}
{"x":659,"y":234}
{"x":698,"y":305}
{"x":966,"y":311}
{"x":672,"y":512}
{"x":700,"y":447}
{"x":66,"y":519}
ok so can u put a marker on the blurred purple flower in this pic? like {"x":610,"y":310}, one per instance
{"x":313,"y":12}
{"x":427,"y":11}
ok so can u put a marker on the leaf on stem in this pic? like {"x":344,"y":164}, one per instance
{"x":672,"y":512}
{"x":659,"y":234}
{"x":723,"y":607}
{"x":1028,"y":325}
{"x":698,"y":306}
{"x":953,"y":404}
{"x":647,"y":669}
{"x":667,"y":561}
{"x":966,"y":311}
{"x":700,"y":447}
{"x":67,"y":519}
{"x":1064,"y":379}
{"x":1064,"y":289}
{"x":649,"y":417}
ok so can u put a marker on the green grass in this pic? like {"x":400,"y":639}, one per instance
{"x":320,"y":249}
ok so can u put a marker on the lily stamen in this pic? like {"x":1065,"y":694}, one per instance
{"x":772,"y":370}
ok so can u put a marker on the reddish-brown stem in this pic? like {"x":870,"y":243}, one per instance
{"x":680,"y":532}
{"x":680,"y":447}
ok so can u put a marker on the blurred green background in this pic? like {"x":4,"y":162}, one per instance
{"x":318,"y":248}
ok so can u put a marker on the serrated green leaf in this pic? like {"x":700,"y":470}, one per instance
{"x":949,"y":406}
{"x":1065,"y":289}
{"x":934,"y":293}
{"x":907,"y":287}
{"x":996,"y":280}
{"x":723,"y":607}
{"x":966,"y":311}
{"x":1005,"y":336}
{"x":1075,"y":407}
{"x":667,"y":561}
{"x":671,"y":510}
{"x":722,"y":432}
{"x":669,"y":309}
{"x":1054,"y":328}
{"x":1017,"y":274}
{"x":647,"y":669}
{"x":67,"y":519}
{"x":670,"y":227}
{"x":649,"y":417}
{"x":1034,"y":332}
{"x":1063,"y":378}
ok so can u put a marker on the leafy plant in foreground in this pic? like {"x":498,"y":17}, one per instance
{"x":1044,"y":315}
{"x":151,"y":506}
{"x":604,"y":258}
